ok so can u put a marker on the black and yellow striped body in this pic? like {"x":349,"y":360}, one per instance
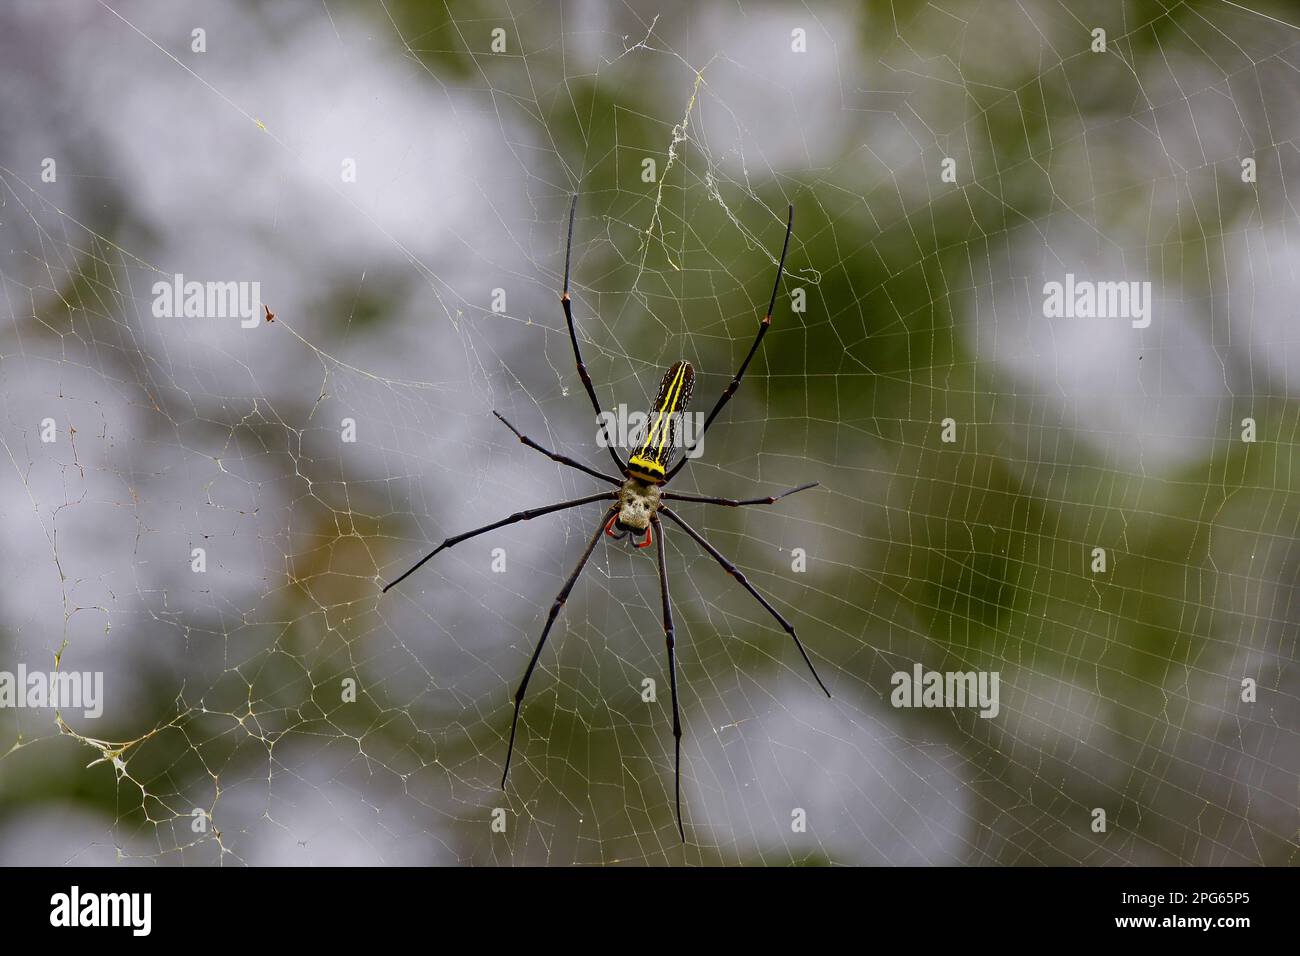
{"x":650,"y":461}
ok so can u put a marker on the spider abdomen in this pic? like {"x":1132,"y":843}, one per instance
{"x":650,"y":462}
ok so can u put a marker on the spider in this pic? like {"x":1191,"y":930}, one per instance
{"x":641,"y":498}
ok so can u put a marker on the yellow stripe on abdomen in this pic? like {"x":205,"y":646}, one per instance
{"x":674,"y":393}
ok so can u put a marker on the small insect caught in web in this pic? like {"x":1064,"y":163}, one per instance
{"x":635,"y":508}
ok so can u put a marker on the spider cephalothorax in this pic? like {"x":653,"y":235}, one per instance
{"x":635,"y":507}
{"x":637,"y":503}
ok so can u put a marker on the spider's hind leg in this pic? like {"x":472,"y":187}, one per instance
{"x":583,"y":374}
{"x":736,"y":379}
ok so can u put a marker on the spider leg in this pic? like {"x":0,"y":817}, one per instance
{"x":577,"y":352}
{"x":739,"y":575}
{"x":672,"y":670}
{"x":517,"y":516}
{"x":753,"y":350}
{"x":550,"y":619}
{"x":733,"y":503}
{"x":562,"y":459}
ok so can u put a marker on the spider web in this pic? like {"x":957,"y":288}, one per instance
{"x":225,"y":695}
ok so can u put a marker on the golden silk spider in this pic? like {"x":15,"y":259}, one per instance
{"x":641,"y":497}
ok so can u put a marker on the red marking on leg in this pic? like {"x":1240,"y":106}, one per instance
{"x":609,"y":526}
{"x":649,"y":540}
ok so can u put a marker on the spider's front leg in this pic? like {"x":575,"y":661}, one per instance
{"x":743,"y":581}
{"x":517,"y":516}
{"x":541,"y":642}
{"x":669,"y":638}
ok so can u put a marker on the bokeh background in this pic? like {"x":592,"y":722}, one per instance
{"x":1120,"y":690}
